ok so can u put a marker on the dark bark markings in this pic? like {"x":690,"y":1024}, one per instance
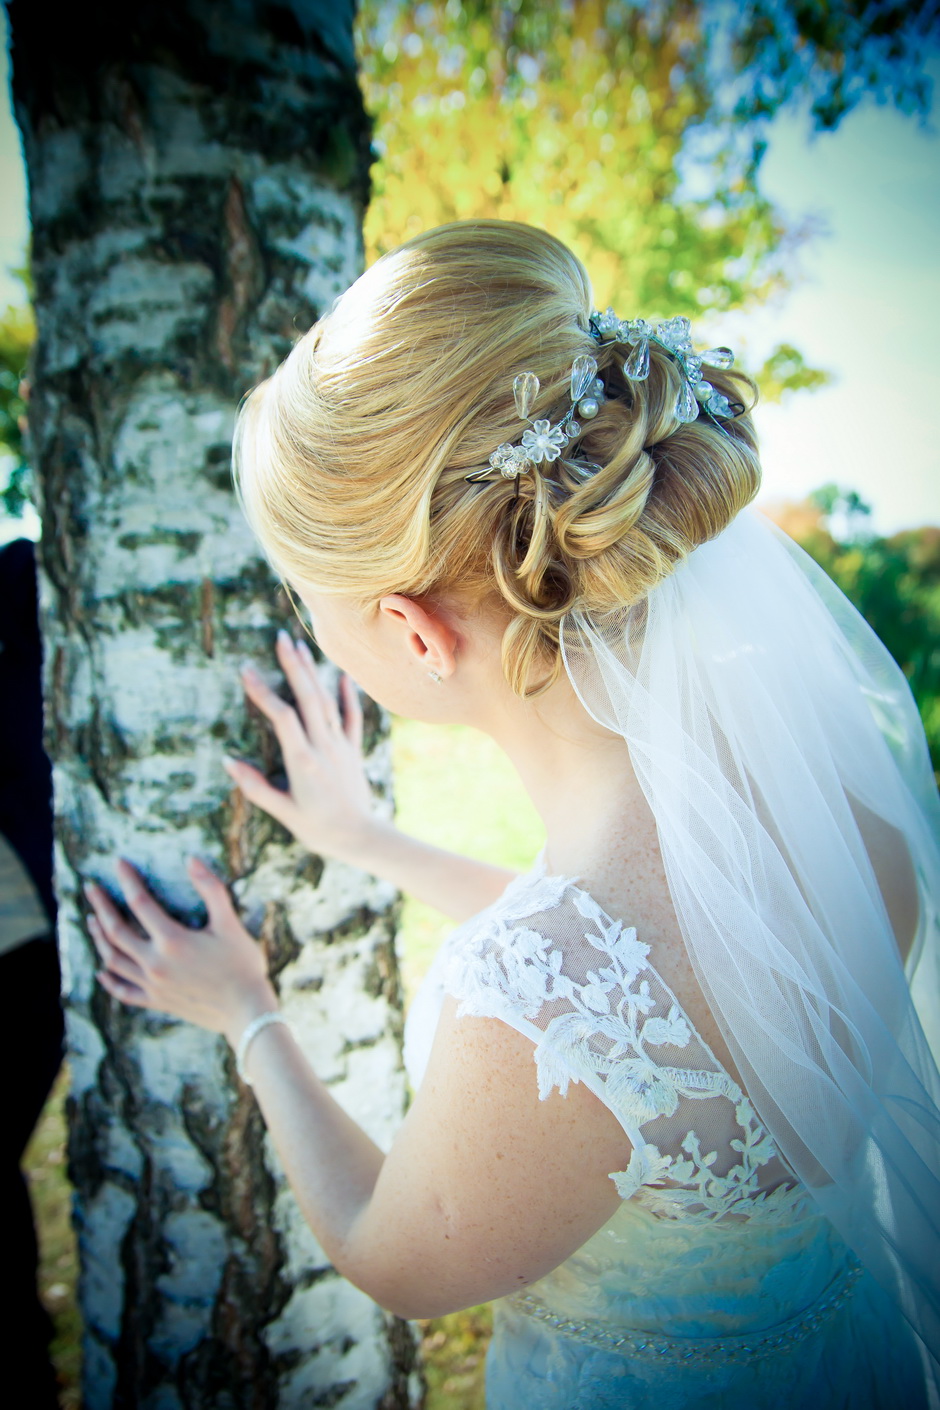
{"x":192,"y":209}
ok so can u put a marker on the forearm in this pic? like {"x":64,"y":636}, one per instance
{"x":330,"y":1162}
{"x":456,"y":885}
{"x":333,"y":1168}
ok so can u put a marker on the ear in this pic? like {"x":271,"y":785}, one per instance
{"x":425,"y":631}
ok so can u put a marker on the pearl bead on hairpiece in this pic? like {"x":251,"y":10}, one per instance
{"x":544,"y":443}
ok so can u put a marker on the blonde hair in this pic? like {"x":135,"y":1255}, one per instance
{"x":351,"y":460}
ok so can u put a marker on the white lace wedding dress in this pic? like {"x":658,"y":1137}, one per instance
{"x":715,"y":1285}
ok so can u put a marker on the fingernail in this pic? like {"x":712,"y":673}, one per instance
{"x":88,"y":887}
{"x":302,"y":646}
{"x":196,"y":865}
{"x":228,"y":762}
{"x":284,"y":637}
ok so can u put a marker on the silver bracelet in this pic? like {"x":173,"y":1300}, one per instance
{"x":248,"y":1037}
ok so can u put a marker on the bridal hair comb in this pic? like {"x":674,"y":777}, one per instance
{"x":674,"y":337}
{"x":542,"y":442}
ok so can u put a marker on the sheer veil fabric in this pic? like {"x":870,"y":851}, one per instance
{"x":781,"y":751}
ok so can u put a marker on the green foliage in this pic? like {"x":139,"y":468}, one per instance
{"x":453,"y":1350}
{"x":634,"y":132}
{"x":17,"y":332}
{"x":785,"y":370}
{"x":894,"y":582}
{"x":574,"y":118}
{"x":831,"y":499}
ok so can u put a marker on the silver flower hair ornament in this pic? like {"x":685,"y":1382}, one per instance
{"x":543,"y":442}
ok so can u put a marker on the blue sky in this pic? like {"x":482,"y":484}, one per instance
{"x":867,"y":307}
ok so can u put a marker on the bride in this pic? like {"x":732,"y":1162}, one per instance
{"x":676,"y":1105}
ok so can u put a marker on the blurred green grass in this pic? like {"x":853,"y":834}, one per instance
{"x":455,"y":788}
{"x":51,"y":1195}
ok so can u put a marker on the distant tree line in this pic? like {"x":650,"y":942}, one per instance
{"x":894,"y":582}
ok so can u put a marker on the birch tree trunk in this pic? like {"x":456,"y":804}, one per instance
{"x":198,"y":174}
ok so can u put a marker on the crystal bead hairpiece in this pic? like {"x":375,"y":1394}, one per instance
{"x":674,"y":336}
{"x":544,"y":443}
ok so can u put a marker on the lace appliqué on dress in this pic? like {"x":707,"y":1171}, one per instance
{"x":551,"y":963}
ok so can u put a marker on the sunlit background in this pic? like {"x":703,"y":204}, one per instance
{"x":866,"y":307}
{"x":863,"y":305}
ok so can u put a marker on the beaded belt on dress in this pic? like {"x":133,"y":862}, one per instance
{"x":633,"y":1341}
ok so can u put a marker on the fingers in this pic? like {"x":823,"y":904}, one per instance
{"x":122,"y":989}
{"x":352,"y":711}
{"x":327,"y":700}
{"x":115,"y":961}
{"x":317,"y":706}
{"x":259,"y":791}
{"x":142,"y":905}
{"x":120,"y":949}
{"x":114,"y":927}
{"x":213,"y":891}
{"x":284,"y":718}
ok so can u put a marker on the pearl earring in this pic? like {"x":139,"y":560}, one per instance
{"x":438,"y":680}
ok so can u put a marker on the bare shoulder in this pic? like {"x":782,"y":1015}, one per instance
{"x":494,"y":1186}
{"x":491,"y":1067}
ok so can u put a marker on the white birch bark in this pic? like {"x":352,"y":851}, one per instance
{"x":197,"y":180}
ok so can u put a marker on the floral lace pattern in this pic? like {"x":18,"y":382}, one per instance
{"x":550,"y":962}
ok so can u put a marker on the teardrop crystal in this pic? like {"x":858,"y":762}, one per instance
{"x":687,"y":407}
{"x":525,"y":389}
{"x":583,"y":372}
{"x":718,"y":357}
{"x":637,"y":365}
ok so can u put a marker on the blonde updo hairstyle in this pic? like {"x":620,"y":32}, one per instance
{"x":352,"y":459}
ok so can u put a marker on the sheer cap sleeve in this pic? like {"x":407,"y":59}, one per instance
{"x":579,"y":984}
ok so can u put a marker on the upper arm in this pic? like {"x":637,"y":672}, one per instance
{"x":486,"y":1187}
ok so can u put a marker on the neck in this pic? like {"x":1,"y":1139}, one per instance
{"x":577,"y":773}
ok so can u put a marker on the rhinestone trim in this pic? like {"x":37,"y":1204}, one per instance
{"x":633,"y":1341}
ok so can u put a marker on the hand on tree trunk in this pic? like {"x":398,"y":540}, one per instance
{"x":328,"y":801}
{"x":215,"y":977}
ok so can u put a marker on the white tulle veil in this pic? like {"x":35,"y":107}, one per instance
{"x":780,"y":749}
